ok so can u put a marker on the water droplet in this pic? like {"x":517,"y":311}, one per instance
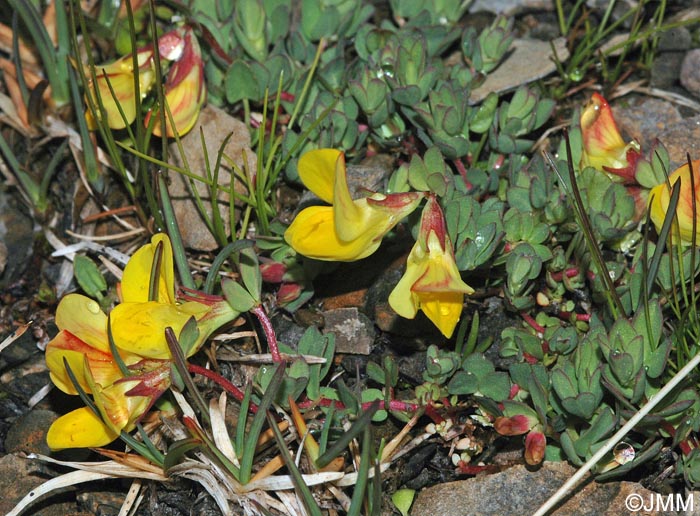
{"x":93,"y":307}
{"x":623,"y":453}
{"x":576,"y":75}
{"x":445,"y":310}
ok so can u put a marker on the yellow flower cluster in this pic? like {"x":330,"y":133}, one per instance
{"x":137,"y":328}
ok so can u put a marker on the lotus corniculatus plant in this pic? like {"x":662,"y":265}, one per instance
{"x":349,"y":229}
{"x":432,"y":282}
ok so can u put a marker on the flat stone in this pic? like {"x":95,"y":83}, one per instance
{"x":16,"y":239}
{"x":354,"y":332}
{"x":690,"y":72}
{"x":28,"y":433}
{"x":510,"y":7}
{"x":520,"y":491}
{"x":528,"y":61}
{"x":18,"y":476}
{"x":645,"y":118}
{"x":216,"y":125}
{"x":681,"y":138}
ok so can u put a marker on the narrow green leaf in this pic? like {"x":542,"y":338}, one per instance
{"x":358,"y":426}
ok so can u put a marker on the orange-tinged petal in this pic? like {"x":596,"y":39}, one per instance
{"x":598,"y":127}
{"x":81,"y":428}
{"x":137,"y":273}
{"x":76,"y":352}
{"x":660,"y":197}
{"x":312,"y":233}
{"x":185,"y":90}
{"x":603,"y":146}
{"x":84,"y":318}
{"x":317,"y":170}
{"x":139,"y":328}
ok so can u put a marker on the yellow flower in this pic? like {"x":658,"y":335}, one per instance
{"x":138,"y":332}
{"x":603,"y":147}
{"x":120,"y":76}
{"x":349,"y":229}
{"x":431,"y":282}
{"x":185,"y":90}
{"x":138,"y":324}
{"x":660,"y":196}
{"x":83,"y":343}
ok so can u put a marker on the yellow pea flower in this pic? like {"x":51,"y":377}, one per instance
{"x":138,"y":332}
{"x":350,"y":229}
{"x":83,"y":343}
{"x":120,"y":76}
{"x":432,"y":282}
{"x":660,"y":196}
{"x":185,"y":90}
{"x":603,"y":147}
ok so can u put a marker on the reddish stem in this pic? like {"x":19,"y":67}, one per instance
{"x":532,"y":323}
{"x":259,"y":312}
{"x":566,"y":316}
{"x":223,"y":382}
{"x":402,"y":406}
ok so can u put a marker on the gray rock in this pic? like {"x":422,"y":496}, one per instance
{"x":354,"y":332}
{"x":681,"y":138}
{"x":644,"y":118}
{"x":520,"y":491}
{"x":16,"y":237}
{"x":18,"y":476}
{"x":666,"y":68}
{"x":28,"y":433}
{"x":216,"y":125}
{"x":690,"y":72}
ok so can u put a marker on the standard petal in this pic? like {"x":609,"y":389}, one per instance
{"x":137,"y":273}
{"x":139,"y":328}
{"x":600,"y":134}
{"x":185,"y":90}
{"x":81,"y":428}
{"x":84,"y":318}
{"x":317,"y":169}
{"x":312,"y":234}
